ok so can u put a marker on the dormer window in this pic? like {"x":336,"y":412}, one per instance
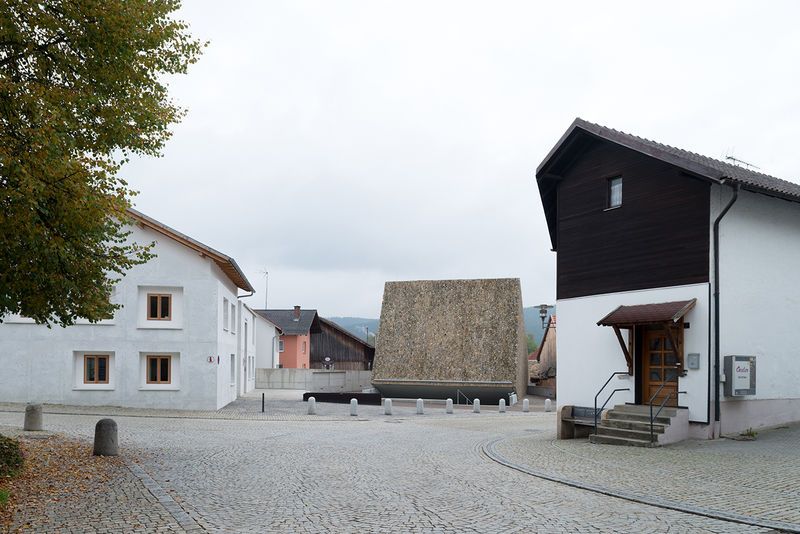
{"x":159,"y":307}
{"x":614,"y":192}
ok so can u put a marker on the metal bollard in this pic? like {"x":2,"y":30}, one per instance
{"x":262,"y":403}
{"x":353,"y":407}
{"x":33,"y":417}
{"x":387,"y":406}
{"x":526,"y":405}
{"x":448,"y":406}
{"x":312,"y":406}
{"x":476,"y":406}
{"x":548,"y":405}
{"x":420,"y":406}
{"x":501,"y":407}
{"x":105,"y":438}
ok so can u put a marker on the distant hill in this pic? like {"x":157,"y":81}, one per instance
{"x":359,"y":326}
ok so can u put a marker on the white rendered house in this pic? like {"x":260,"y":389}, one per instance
{"x":678,"y":271}
{"x":182,"y":339}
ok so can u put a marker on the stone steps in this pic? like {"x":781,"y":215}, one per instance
{"x":627,"y":424}
{"x":635,"y":425}
{"x":638,"y":434}
{"x":615,"y":440}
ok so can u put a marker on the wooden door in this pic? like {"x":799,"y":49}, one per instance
{"x":659,"y":367}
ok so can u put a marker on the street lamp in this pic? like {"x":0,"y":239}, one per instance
{"x":543,"y":313}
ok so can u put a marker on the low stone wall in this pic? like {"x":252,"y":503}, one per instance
{"x":313,"y":379}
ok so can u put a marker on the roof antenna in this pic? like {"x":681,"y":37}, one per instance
{"x":266,"y":289}
{"x":740,"y":162}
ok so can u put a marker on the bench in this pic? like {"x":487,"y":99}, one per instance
{"x":575,"y":422}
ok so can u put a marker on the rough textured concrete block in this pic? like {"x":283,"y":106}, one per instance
{"x":420,"y":406}
{"x":448,"y":406}
{"x":353,"y":407}
{"x":33,"y":417}
{"x":105,"y":438}
{"x":476,"y":406}
{"x":312,"y":406}
{"x":526,"y":405}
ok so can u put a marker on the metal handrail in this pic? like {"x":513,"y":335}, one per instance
{"x":660,"y":407}
{"x":596,"y":411}
{"x":612,"y":393}
{"x":459,"y":394}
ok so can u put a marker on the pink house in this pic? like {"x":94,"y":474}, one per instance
{"x":294,"y":345}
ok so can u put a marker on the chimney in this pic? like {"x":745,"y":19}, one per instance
{"x":296,"y":313}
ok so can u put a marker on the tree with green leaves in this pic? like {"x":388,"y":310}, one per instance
{"x":81,"y":90}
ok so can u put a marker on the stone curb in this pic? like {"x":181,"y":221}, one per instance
{"x":165,"y":499}
{"x":488,"y":448}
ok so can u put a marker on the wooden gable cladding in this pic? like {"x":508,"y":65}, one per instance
{"x":658,"y":237}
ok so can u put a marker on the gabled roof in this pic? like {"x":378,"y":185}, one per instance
{"x":696,"y":164}
{"x":227,"y":264}
{"x":284,"y":319}
{"x":328,"y":322}
{"x":262,"y":318}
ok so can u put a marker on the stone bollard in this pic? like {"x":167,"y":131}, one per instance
{"x":105,"y":438}
{"x":548,"y":405}
{"x":387,"y":406}
{"x":33,"y":417}
{"x":513,"y":399}
{"x":501,"y":406}
{"x":420,"y":406}
{"x":353,"y":407}
{"x":312,"y":406}
{"x":476,"y":406}
{"x":526,"y":405}
{"x":448,"y":406}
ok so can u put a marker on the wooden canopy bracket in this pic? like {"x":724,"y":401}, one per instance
{"x":625,"y":350}
{"x":668,"y":327}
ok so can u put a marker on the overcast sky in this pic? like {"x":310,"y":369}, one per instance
{"x":339,"y":145}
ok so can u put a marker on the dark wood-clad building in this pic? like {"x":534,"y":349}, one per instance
{"x":336,"y":349}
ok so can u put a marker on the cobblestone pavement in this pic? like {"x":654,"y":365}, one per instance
{"x":751,"y":479}
{"x":374,"y":473}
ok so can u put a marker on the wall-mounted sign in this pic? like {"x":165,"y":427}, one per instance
{"x":740,"y":376}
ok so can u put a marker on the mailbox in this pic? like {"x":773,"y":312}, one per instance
{"x":740,"y":376}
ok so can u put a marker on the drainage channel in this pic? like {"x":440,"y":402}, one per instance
{"x":489,"y":450}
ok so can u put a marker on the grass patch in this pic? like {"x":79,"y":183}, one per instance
{"x":4,"y":496}
{"x":10,"y":457}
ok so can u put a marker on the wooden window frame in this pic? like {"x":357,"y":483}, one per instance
{"x":158,"y":307}
{"x":96,"y":357}
{"x":609,"y":181}
{"x":158,"y":357}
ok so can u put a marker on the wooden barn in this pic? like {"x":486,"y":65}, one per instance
{"x":336,"y":349}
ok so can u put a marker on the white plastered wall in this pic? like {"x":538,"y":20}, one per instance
{"x":588,"y":354}
{"x":760,"y":305}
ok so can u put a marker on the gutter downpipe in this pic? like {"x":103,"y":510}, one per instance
{"x":735,"y":189}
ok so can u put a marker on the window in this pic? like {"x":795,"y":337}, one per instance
{"x":159,"y":369}
{"x":95,"y":368}
{"x":159,"y":307}
{"x":233,"y":317}
{"x":225,"y":314}
{"x":615,"y":192}
{"x":233,"y":369}
{"x":280,"y":345}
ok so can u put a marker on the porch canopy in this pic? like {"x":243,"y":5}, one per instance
{"x":667,"y":314}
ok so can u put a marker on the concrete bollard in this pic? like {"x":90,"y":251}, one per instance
{"x":105,"y":438}
{"x":548,"y":405}
{"x":448,"y":406}
{"x":501,"y":406}
{"x":420,"y":406}
{"x":526,"y":405}
{"x":33,"y":417}
{"x":476,"y":406}
{"x":353,"y":407}
{"x":312,"y":406}
{"x":387,"y":406}
{"x":513,"y":399}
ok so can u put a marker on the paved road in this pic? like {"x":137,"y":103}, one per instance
{"x":371,"y":474}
